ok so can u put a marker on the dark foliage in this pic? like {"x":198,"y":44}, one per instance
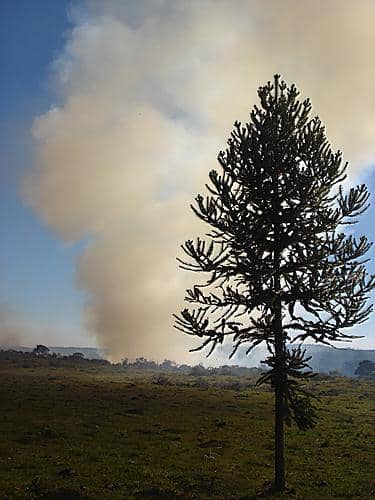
{"x":279,"y":267}
{"x":41,"y":350}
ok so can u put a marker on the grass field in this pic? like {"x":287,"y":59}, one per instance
{"x":106,"y":434}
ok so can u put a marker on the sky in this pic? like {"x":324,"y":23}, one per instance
{"x":38,"y":297}
{"x":112,"y":114}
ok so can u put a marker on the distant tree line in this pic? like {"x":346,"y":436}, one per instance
{"x":171,"y":366}
{"x":41,"y":355}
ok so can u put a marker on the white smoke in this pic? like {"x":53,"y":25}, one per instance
{"x":149,"y":92}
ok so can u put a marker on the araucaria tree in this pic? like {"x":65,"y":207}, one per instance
{"x":278,"y":267}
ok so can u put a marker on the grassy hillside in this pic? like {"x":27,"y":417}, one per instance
{"x":80,"y":433}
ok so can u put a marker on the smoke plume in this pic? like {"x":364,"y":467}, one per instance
{"x":17,"y":330}
{"x":148,"y":93}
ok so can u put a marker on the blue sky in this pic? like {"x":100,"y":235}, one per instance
{"x":37,"y":269}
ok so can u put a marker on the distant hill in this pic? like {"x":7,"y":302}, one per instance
{"x":325,"y":359}
{"x":345,"y":361}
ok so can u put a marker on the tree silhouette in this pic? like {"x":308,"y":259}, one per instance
{"x":279,"y":268}
{"x":41,"y":350}
{"x":78,"y":355}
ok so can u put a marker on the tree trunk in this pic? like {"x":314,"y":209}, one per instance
{"x":280,"y":376}
{"x":279,"y":402}
{"x":279,"y":442}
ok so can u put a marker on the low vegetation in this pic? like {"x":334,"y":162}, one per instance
{"x":94,"y":431}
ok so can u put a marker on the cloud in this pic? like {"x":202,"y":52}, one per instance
{"x":149,"y":92}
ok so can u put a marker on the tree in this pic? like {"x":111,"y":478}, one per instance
{"x":279,"y":267}
{"x":78,"y":355}
{"x":167,"y":364}
{"x":41,"y":350}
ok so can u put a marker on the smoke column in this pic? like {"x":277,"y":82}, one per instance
{"x":148,"y":93}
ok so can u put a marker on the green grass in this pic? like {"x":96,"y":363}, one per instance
{"x":107,"y":434}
